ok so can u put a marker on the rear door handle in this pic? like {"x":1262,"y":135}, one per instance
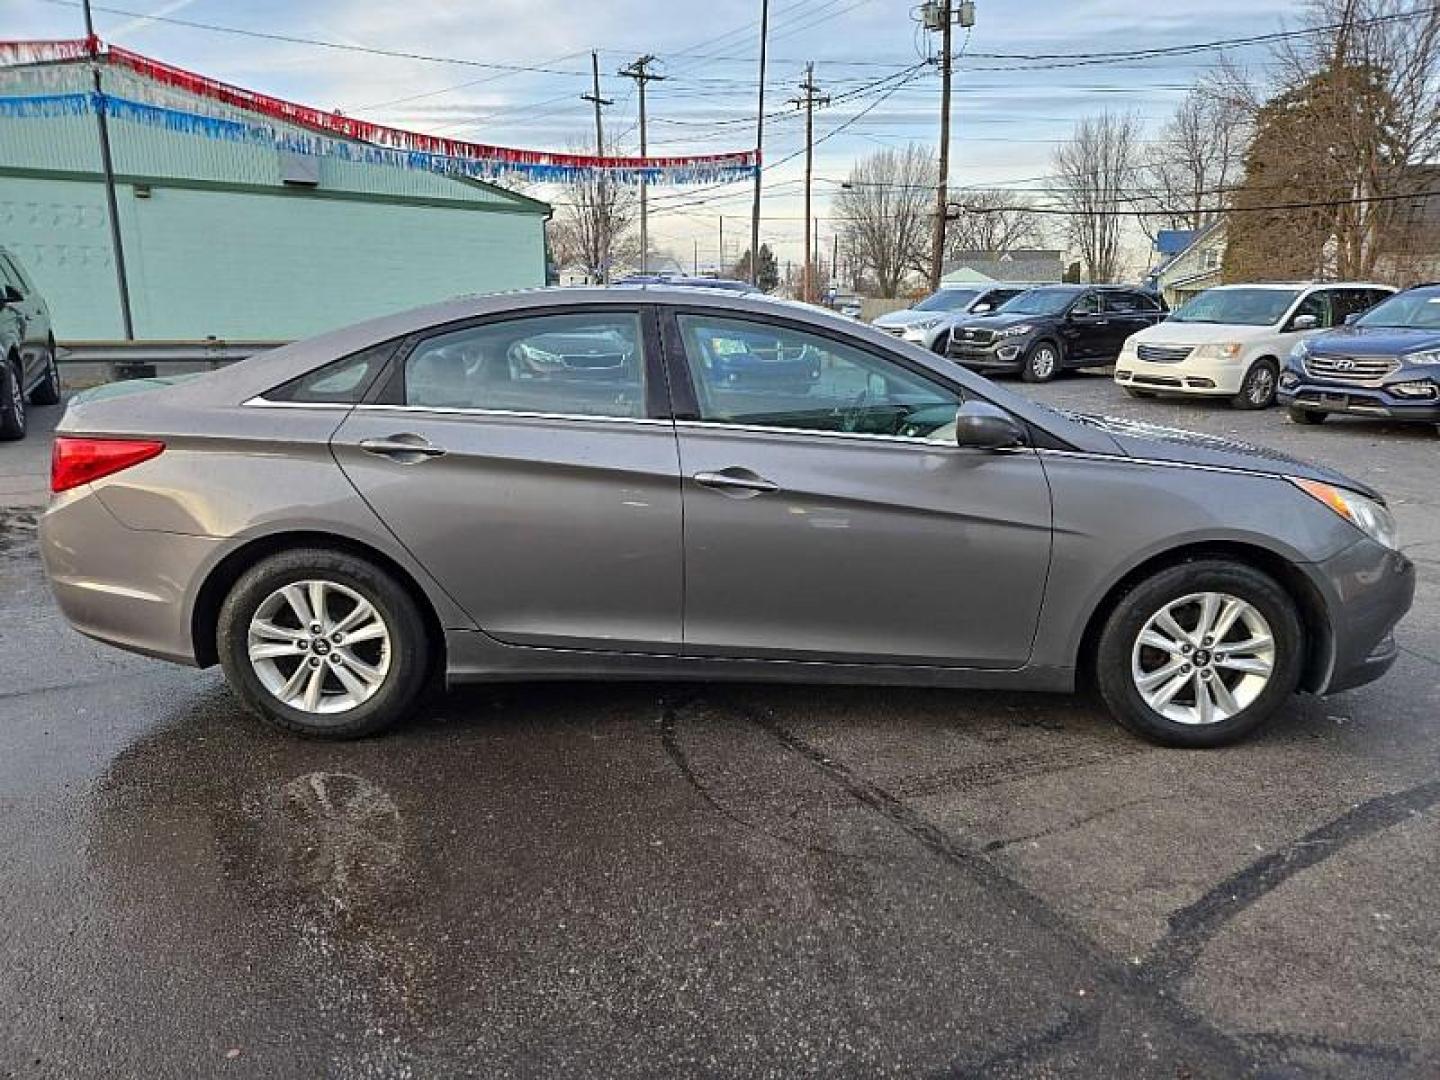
{"x":736,"y":481}
{"x":406,"y":448}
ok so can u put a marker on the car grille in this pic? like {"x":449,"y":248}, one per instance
{"x":1359,"y":370}
{"x":1163,"y":354}
{"x":970,"y":336}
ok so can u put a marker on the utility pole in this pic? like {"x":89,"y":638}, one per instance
{"x":722,"y":241}
{"x":835,"y":260}
{"x":107,"y":166}
{"x":638,"y":72}
{"x":942,"y":15}
{"x":696,"y":262}
{"x":594,"y":96}
{"x":759,"y":140}
{"x":810,"y":97}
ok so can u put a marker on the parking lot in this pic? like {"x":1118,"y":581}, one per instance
{"x":720,"y":880}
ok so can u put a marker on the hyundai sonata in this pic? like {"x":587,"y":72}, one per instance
{"x":605,"y":483}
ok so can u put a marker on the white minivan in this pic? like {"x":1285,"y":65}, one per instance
{"x":1231,"y":341}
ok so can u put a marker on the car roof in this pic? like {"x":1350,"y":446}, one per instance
{"x":1292,"y":285}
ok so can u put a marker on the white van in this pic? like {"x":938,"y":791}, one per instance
{"x":1231,"y":341}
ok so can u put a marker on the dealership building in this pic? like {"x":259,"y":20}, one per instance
{"x":234,"y":224}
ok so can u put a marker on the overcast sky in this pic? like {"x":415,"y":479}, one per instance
{"x":1006,"y":122}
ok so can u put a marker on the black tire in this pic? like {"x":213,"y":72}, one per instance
{"x":1042,"y":362}
{"x":1257,"y":389}
{"x":1139,"y":393}
{"x":1113,"y":657}
{"x":12,"y":401}
{"x":48,"y":392}
{"x":1306,"y":416}
{"x":409,"y":656}
{"x":941,"y":344}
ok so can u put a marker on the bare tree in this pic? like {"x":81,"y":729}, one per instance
{"x":886,"y":210}
{"x":1093,"y":171}
{"x":991,"y":221}
{"x":594,"y":226}
{"x":1185,"y":176}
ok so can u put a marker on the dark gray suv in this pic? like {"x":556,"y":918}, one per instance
{"x":452,"y":489}
{"x":27,"y":346}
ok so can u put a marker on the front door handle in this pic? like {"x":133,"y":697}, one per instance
{"x":736,"y":481}
{"x":406,"y":448}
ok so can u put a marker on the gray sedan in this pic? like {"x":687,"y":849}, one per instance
{"x":656,"y":483}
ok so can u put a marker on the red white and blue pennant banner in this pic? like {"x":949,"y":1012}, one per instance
{"x":394,"y":146}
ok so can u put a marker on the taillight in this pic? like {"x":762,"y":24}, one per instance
{"x":75,"y":461}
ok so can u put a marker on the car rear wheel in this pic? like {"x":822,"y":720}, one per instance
{"x":12,"y":401}
{"x":323,"y":643}
{"x":1306,"y":416}
{"x":48,"y":392}
{"x":1042,"y":363}
{"x":1200,"y":655}
{"x":1257,"y":390}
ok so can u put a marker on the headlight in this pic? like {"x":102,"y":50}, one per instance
{"x":1367,"y":515}
{"x":1227,"y":351}
{"x":1422,"y":359}
{"x":1014,"y":331}
{"x":925,"y":324}
{"x":1300,"y":351}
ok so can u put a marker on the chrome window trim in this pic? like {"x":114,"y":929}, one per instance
{"x":1124,"y":459}
{"x":260,"y":401}
{"x":458,"y":410}
{"x":861,"y":436}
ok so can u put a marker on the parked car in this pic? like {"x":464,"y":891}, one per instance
{"x":928,"y":323}
{"x":724,"y":284}
{"x":27,"y":347}
{"x":1046,"y":330}
{"x":848,"y":304}
{"x":1384,"y":362}
{"x":332,"y":529}
{"x":1230,"y":341}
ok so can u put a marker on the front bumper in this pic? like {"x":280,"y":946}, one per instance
{"x":1002,"y":354}
{"x":120,"y":585}
{"x":1188,"y":376}
{"x":1300,"y":390}
{"x":1369,"y":588}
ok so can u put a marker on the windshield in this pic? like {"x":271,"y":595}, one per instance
{"x":1407,"y":311}
{"x":1039,"y":302}
{"x":1237,"y":307}
{"x":947,"y":300}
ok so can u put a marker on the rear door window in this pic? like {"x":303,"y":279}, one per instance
{"x":573,"y":364}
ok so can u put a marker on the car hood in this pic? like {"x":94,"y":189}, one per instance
{"x":1170,"y":332}
{"x":903,"y":318}
{"x":1153,"y":442}
{"x":1374,"y":341}
{"x":1000,"y":322}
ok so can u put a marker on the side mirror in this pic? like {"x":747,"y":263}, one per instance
{"x":981,"y":309}
{"x":981,"y":426}
{"x":1353,"y":318}
{"x":11,"y":295}
{"x":1304,"y":322}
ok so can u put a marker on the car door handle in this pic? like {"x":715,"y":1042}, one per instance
{"x":405,"y":448}
{"x":736,"y":481}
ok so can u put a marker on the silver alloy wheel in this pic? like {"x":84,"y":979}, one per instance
{"x":1262,"y":385}
{"x":1042,"y":363}
{"x":319,"y":646}
{"x":1203,"y":658}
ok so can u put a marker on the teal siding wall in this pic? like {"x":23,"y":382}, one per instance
{"x":221,"y":247}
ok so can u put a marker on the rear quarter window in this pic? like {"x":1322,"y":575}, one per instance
{"x":340,"y":382}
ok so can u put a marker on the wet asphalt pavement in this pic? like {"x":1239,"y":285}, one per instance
{"x":746,"y":881}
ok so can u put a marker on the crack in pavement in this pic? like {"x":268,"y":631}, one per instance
{"x":1152,"y":982}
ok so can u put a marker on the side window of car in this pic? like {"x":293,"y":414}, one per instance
{"x":758,"y":373}
{"x":1316,"y":304}
{"x":573,"y":364}
{"x":1089,"y":304}
{"x":9,"y":275}
{"x":1122,"y":303}
{"x":342,"y":381}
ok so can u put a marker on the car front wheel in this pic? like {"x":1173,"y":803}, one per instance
{"x":1042,"y":363}
{"x":323,"y":643}
{"x":1306,"y":416}
{"x":1200,"y":654}
{"x":1257,"y":390}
